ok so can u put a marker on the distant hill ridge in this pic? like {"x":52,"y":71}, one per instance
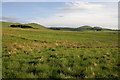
{"x":82,"y":28}
{"x":38,"y":26}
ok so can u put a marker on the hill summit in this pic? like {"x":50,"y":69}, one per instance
{"x":29,"y":25}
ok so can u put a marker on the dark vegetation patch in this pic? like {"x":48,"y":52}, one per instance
{"x":21,"y":26}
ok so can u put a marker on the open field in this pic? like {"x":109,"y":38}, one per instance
{"x":44,"y":53}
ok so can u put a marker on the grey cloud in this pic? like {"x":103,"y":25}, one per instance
{"x":80,"y":6}
{"x":11,"y":19}
{"x":61,"y":16}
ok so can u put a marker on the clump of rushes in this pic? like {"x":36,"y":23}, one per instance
{"x":44,"y":41}
{"x":11,"y":52}
{"x":41,"y":59}
{"x":107,"y":54}
{"x":93,"y":74}
{"x":86,"y":77}
{"x":52,"y":49}
{"x":56,"y":44}
{"x":95,"y":64}
{"x":15,"y":44}
{"x":69,"y":69}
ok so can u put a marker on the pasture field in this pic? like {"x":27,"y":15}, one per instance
{"x":44,"y":53}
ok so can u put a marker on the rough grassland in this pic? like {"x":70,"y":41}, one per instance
{"x":36,"y":53}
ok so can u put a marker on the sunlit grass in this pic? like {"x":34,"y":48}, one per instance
{"x":59,"y":54}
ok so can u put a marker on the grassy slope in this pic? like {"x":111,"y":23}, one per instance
{"x":6,"y":24}
{"x":33,"y":53}
{"x":36,"y":25}
{"x":81,"y":29}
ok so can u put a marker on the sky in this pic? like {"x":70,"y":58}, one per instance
{"x":59,"y":0}
{"x":62,"y":14}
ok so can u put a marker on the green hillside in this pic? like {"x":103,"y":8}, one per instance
{"x":34,"y":25}
{"x":82,"y":28}
{"x":85,"y":27}
{"x":44,"y":53}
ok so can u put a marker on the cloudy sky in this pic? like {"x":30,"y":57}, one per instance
{"x":62,"y":14}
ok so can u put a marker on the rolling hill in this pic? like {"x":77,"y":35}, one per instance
{"x":44,"y":53}
{"x":82,"y":28}
{"x":33,"y":25}
{"x":38,"y":26}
